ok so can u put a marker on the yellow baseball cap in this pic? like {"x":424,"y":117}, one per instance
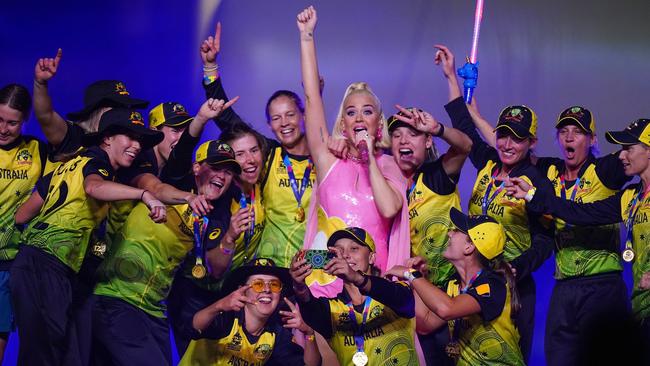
{"x":487,"y":235}
{"x":170,"y":114}
{"x":637,"y":132}
{"x":354,"y":233}
{"x":215,"y":152}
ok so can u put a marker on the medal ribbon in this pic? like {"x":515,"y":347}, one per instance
{"x":297,"y":192}
{"x":200,"y":227}
{"x":358,"y":333}
{"x":634,"y":208}
{"x":248,"y":234}
{"x":487,"y":201}
{"x":575,"y":188}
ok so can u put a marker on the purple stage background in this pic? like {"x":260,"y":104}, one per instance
{"x":545,"y":54}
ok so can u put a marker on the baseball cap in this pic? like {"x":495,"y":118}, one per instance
{"x":487,"y":235}
{"x":215,"y":152}
{"x":170,"y":114}
{"x":637,"y":132}
{"x":518,"y":119}
{"x":579,"y":116}
{"x":393,"y":123}
{"x":354,"y":233}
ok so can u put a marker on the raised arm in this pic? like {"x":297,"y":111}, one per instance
{"x":315,"y":123}
{"x":53,"y":125}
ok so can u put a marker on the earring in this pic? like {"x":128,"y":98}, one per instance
{"x":344,"y":133}
{"x":380,"y":133}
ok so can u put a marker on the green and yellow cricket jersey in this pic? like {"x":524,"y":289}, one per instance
{"x":144,"y":256}
{"x":283,"y":234}
{"x":489,"y":337}
{"x":641,"y":246}
{"x":21,"y":165}
{"x":586,"y":250}
{"x":429,"y":202}
{"x":68,"y":216}
{"x":245,"y":247}
{"x":235,"y":348}
{"x":506,"y":210}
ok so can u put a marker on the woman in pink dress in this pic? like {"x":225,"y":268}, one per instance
{"x":366,"y":189}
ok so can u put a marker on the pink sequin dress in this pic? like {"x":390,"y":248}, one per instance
{"x":344,"y":198}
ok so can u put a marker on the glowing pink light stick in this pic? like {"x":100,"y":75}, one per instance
{"x":478,"y":16}
{"x":469,"y":71}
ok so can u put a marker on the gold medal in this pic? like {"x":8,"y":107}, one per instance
{"x":628,"y":255}
{"x":453,"y":350}
{"x":300,"y":214}
{"x":360,"y":358}
{"x":198,"y":271}
{"x":99,"y":249}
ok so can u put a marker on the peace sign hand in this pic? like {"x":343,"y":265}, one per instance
{"x":293,"y":319}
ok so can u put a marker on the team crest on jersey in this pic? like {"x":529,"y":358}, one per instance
{"x":214,"y":234}
{"x":375,"y":312}
{"x":120,"y":89}
{"x":103,"y":172}
{"x":235,"y":344}
{"x":136,"y":118}
{"x":484,"y":180}
{"x":24,"y":158}
{"x":262,"y":351}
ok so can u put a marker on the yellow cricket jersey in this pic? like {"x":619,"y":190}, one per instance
{"x":68,"y":216}
{"x":389,"y":338}
{"x":245,"y":247}
{"x":507,"y":210}
{"x":586,"y":250}
{"x":227,"y":343}
{"x":490,"y":337}
{"x":429,"y":202}
{"x":144,"y":256}
{"x":641,"y":246}
{"x":283,"y":234}
{"x":21,"y":165}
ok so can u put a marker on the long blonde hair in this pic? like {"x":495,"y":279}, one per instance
{"x":357,"y":88}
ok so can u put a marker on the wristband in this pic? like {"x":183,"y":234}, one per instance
{"x":210,"y":68}
{"x":225,"y":250}
{"x":530,"y":194}
{"x":411,"y":275}
{"x":310,"y":338}
{"x":441,"y":130}
{"x":209,"y":79}
{"x":143,"y":192}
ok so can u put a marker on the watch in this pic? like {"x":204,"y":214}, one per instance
{"x":412,"y":274}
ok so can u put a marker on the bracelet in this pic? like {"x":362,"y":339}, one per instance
{"x":441,"y":130}
{"x":530,"y":194}
{"x":225,"y":250}
{"x":40,"y":82}
{"x":365,"y":280}
{"x":211,"y":68}
{"x":411,"y":274}
{"x":310,"y":337}
{"x":143,"y":192}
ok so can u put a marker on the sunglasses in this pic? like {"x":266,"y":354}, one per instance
{"x":259,"y":285}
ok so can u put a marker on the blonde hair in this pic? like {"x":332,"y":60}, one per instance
{"x":358,"y":88}
{"x":91,"y":124}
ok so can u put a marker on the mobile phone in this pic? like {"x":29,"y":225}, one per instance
{"x":318,"y":258}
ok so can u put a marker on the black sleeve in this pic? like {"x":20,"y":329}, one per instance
{"x":144,"y":163}
{"x":219,"y":328}
{"x":481,"y":152}
{"x":218,"y":222}
{"x":542,"y":240}
{"x":544,"y":163}
{"x":316,"y":313}
{"x":43,"y":184}
{"x":228,"y":116}
{"x":490,"y":292}
{"x":603,"y":212}
{"x":100,"y":167}
{"x":179,"y":164}
{"x":436,"y":179}
{"x":609,"y":169}
{"x":396,"y":295}
{"x":285,"y":351}
{"x":72,"y":141}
